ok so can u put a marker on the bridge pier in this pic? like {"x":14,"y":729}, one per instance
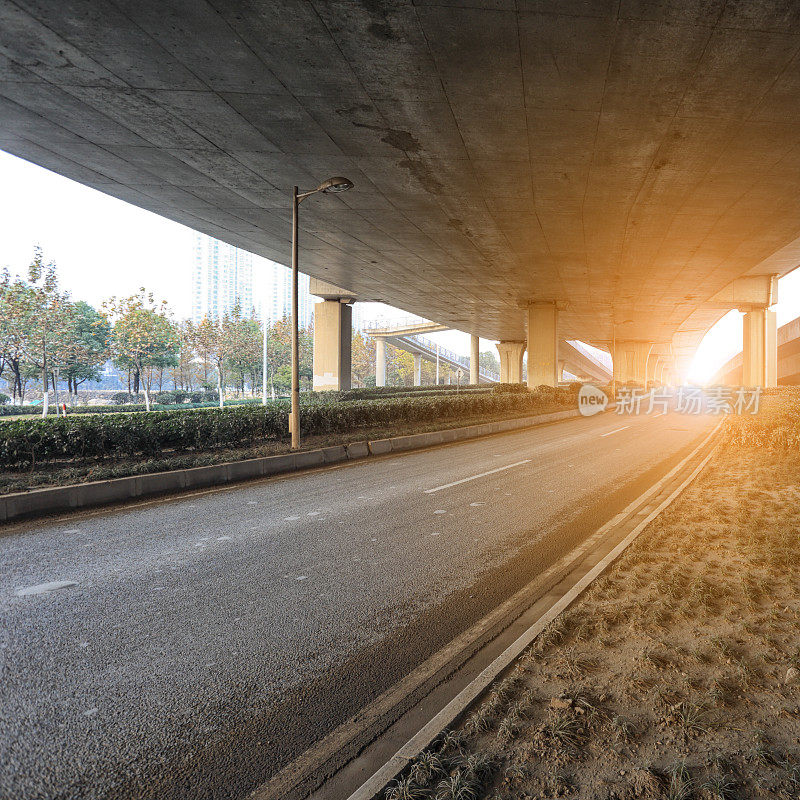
{"x":630,"y":361}
{"x":417,"y":369}
{"x":760,"y":349}
{"x":542,"y":345}
{"x":380,"y":361}
{"x":333,"y":334}
{"x":511,"y":354}
{"x":474,"y":360}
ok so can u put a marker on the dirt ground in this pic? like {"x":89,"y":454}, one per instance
{"x":677,"y":674}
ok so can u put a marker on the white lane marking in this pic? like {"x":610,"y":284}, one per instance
{"x":440,"y":511}
{"x":286,"y":519}
{"x":475,"y":477}
{"x":302,"y":577}
{"x":624,"y":427}
{"x":224,"y":538}
{"x":43,"y":588}
{"x":90,"y":712}
{"x":475,"y":505}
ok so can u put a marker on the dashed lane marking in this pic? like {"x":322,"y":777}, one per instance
{"x":475,"y":477}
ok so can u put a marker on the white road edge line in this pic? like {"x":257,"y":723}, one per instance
{"x":475,"y":477}
{"x":370,"y":788}
{"x":624,"y":427}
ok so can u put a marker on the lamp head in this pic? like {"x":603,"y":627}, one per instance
{"x":337,"y":184}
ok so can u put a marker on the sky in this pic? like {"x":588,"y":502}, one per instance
{"x":104,"y":246}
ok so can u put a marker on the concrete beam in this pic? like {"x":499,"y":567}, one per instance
{"x":542,"y":344}
{"x":327,"y":291}
{"x":333,"y":334}
{"x":511,"y":354}
{"x":747,"y":293}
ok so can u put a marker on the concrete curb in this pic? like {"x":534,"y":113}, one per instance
{"x":41,"y":502}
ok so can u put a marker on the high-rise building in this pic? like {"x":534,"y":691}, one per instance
{"x":275,"y":289}
{"x":222,"y":278}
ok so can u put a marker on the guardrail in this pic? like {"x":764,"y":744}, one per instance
{"x":397,"y":324}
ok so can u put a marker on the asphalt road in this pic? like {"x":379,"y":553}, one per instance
{"x":209,"y":638}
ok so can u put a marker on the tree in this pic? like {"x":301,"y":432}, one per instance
{"x":363,"y":360}
{"x":184,"y":372}
{"x":247,"y":351}
{"x":143,"y":336}
{"x":47,"y":321}
{"x":399,"y":367}
{"x":217,"y":340}
{"x":488,"y":360}
{"x":15,"y":303}
{"x":87,"y":345}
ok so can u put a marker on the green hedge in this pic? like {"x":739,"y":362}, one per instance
{"x":27,"y":443}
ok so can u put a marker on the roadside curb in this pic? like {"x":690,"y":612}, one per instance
{"x":57,"y":499}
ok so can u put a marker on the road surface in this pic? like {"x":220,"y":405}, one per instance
{"x":204,"y":640}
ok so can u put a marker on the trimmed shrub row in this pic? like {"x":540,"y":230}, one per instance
{"x":27,"y":443}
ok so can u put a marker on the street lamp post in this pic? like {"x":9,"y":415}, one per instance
{"x":332,"y":185}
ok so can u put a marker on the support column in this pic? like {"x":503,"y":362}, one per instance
{"x":380,"y":361}
{"x":333,"y":333}
{"x":542,"y":344}
{"x":760,"y":349}
{"x":474,"y":360}
{"x":630,"y":361}
{"x":511,"y":361}
{"x":652,"y":368}
{"x":560,"y":370}
{"x":417,"y":369}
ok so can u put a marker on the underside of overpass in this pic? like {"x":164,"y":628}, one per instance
{"x":606,"y":171}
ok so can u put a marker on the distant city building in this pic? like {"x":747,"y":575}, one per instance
{"x":222,"y":278}
{"x":360,"y":313}
{"x":276,"y":302}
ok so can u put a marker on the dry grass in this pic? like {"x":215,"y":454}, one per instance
{"x":668,"y":679}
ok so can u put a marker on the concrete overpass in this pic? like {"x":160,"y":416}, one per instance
{"x":616,"y":173}
{"x":408,"y":335}
{"x":787,"y":359}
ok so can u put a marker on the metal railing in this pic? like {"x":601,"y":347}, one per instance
{"x":396,"y":324}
